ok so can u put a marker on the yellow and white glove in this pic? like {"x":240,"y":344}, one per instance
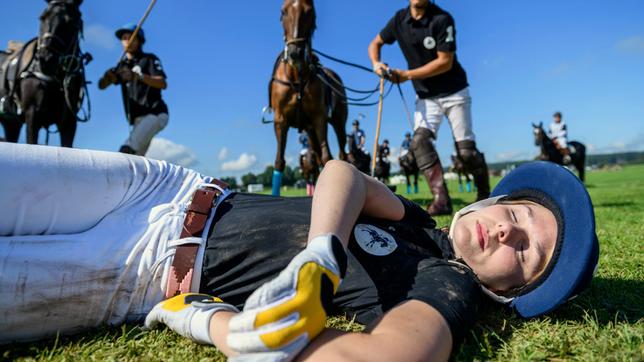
{"x":188,"y":314}
{"x":285,"y":314}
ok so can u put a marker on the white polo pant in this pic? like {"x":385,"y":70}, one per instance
{"x":456,"y":107}
{"x":144,"y":129}
{"x":86,"y":237}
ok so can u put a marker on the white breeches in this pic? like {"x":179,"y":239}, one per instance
{"x":456,"y":107}
{"x":86,"y":237}
{"x":144,"y":129}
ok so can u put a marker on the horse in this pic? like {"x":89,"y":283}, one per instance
{"x":550,"y":153}
{"x":458,"y":168}
{"x":382,"y":169}
{"x":47,"y":84}
{"x":310,"y":169}
{"x":297,"y":93}
{"x":408,"y":165}
{"x":357,"y":157}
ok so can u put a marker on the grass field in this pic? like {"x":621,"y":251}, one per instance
{"x":605,"y":323}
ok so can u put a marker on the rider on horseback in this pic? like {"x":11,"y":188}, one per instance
{"x":383,"y":151}
{"x":358,"y":136}
{"x":558,"y":132}
{"x":142,"y":78}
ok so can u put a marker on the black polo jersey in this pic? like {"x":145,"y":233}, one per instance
{"x":139,"y":98}
{"x":254,"y":237}
{"x":420,"y":41}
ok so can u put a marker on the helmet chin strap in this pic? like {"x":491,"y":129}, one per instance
{"x":466,"y":210}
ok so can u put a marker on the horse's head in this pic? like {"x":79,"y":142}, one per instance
{"x":298,"y":21}
{"x":537,"y":130}
{"x":60,"y":25}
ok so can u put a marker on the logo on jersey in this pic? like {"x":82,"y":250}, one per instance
{"x":374,"y":240}
{"x":429,"y":43}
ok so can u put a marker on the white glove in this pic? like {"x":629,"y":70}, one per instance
{"x":137,"y":72}
{"x":188,"y":314}
{"x":285,"y":314}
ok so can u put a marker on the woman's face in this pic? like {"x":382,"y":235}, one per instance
{"x":507,"y":245}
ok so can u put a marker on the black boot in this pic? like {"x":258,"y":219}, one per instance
{"x":482,"y":181}
{"x":127,"y":149}
{"x":442,"y":204}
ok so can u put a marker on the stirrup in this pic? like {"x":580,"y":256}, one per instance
{"x":267,"y":112}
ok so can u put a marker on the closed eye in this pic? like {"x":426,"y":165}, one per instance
{"x":514,"y":216}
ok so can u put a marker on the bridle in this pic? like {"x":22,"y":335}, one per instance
{"x":69,"y":60}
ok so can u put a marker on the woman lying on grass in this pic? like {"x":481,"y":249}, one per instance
{"x":96,"y":243}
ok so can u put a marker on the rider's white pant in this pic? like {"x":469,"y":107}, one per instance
{"x":144,"y":129}
{"x":86,"y":237}
{"x":456,"y":107}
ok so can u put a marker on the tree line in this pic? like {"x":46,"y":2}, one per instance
{"x":289,"y":177}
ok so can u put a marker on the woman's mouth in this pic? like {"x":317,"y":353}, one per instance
{"x":480,"y":234}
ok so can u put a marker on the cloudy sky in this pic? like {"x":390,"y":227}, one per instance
{"x":524,"y":59}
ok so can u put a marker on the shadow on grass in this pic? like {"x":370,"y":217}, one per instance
{"x":615,"y":204}
{"x":606,"y":302}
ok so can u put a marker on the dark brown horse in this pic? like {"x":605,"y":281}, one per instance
{"x":409,"y":168}
{"x":459,"y":169}
{"x":48,"y":81}
{"x":549,"y":151}
{"x":297,"y":95}
{"x":357,"y":157}
{"x":310,"y":169}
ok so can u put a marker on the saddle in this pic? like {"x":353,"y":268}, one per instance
{"x":13,"y":62}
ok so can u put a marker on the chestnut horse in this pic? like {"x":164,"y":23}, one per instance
{"x":297,"y":95}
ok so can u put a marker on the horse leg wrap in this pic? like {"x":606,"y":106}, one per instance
{"x":423,"y":147}
{"x":277,"y":182}
{"x":474,"y":163}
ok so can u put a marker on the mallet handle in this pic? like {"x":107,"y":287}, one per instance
{"x":375,"y":144}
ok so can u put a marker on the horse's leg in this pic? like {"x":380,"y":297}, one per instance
{"x":12,"y":129}
{"x":32,"y":127}
{"x":408,"y":178}
{"x":320,"y":130}
{"x":67,"y":129}
{"x":315,"y":145}
{"x":281,"y":131}
{"x":416,"y":181}
{"x":341,"y":134}
{"x":580,"y":164}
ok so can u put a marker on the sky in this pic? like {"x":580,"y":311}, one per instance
{"x":524,"y":61}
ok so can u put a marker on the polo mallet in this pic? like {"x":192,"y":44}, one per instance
{"x":138,"y":27}
{"x":375,"y":144}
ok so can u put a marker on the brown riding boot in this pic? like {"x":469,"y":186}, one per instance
{"x":442,"y":204}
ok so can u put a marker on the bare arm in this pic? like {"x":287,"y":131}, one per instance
{"x":154,"y":81}
{"x":412,"y":331}
{"x":342,"y":194}
{"x":374,"y":55}
{"x":437,"y":66}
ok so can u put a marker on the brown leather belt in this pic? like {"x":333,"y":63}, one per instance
{"x":182,"y":269}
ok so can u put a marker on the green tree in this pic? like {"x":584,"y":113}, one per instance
{"x":231,"y":181}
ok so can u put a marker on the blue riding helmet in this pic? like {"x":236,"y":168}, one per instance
{"x":129,"y":28}
{"x":576,"y":253}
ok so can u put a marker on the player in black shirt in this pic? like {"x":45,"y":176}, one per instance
{"x":142,"y":78}
{"x":378,"y":257}
{"x":426,"y":35}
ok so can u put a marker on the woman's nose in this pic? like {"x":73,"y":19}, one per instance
{"x":506,"y":232}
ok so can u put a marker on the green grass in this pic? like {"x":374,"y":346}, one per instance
{"x":605,"y":323}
